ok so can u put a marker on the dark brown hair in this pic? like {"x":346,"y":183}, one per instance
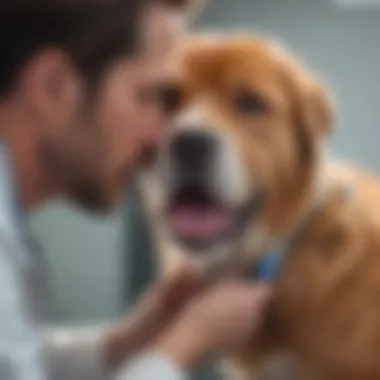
{"x":94,"y":33}
{"x":177,"y":3}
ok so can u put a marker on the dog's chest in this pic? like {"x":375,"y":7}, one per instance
{"x":283,"y":366}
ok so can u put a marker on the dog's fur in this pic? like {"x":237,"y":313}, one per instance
{"x":324,"y":320}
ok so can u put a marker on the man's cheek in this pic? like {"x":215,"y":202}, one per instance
{"x":155,"y":129}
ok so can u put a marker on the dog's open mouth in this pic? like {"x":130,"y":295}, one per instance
{"x":198,"y":220}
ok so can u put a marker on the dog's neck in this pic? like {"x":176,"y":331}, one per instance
{"x":269,"y":264}
{"x":268,"y":267}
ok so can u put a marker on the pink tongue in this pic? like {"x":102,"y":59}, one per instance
{"x":197,"y":222}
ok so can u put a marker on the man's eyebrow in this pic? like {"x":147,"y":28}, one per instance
{"x":169,"y":85}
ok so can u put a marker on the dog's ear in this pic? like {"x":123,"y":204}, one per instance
{"x":311,"y":108}
{"x":312,"y":103}
{"x":318,"y":108}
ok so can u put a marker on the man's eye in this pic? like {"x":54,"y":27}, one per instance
{"x":251,"y":103}
{"x":170,"y":98}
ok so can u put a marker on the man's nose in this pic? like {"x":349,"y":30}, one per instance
{"x":154,"y":132}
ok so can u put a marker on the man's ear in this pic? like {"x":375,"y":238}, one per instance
{"x":51,"y":85}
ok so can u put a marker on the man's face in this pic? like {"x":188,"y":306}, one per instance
{"x":96,"y":150}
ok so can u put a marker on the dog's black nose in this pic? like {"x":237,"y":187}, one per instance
{"x":192,"y":152}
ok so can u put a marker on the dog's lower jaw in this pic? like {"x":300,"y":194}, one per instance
{"x":221,"y":261}
{"x":234,"y":258}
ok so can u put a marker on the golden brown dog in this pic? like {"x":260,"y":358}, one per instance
{"x":243,"y":172}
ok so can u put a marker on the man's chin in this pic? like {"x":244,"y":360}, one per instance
{"x":98,"y":203}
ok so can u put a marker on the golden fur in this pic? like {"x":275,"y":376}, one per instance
{"x":326,"y":309}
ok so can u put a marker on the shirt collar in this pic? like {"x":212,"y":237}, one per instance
{"x":13,"y":215}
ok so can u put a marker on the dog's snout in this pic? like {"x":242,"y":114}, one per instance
{"x":192,"y":150}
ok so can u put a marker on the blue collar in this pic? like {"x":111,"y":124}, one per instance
{"x":269,"y":267}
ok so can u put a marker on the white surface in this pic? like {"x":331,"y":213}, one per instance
{"x":150,"y":367}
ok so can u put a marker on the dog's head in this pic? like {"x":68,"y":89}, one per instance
{"x":242,"y":153}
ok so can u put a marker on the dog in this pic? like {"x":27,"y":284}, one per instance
{"x":243,"y":187}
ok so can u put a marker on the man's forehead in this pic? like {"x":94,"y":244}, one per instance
{"x":161,"y":30}
{"x":161,"y":65}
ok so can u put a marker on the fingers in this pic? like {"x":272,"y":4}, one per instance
{"x":187,"y":275}
{"x":261,"y":294}
{"x":259,"y":291}
{"x":177,"y":290}
{"x":255,"y":297}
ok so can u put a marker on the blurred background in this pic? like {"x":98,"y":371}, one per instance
{"x":98,"y":267}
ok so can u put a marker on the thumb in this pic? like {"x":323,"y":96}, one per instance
{"x":260,"y":295}
{"x":262,"y":292}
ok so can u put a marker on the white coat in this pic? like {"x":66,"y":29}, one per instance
{"x":29,"y":349}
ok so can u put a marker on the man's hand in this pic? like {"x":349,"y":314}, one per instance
{"x":220,"y":319}
{"x":157,"y":309}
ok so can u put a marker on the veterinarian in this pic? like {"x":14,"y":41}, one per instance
{"x":80,"y":106}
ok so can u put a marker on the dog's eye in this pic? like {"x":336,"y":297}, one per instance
{"x":170,"y":98}
{"x":250,"y":103}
